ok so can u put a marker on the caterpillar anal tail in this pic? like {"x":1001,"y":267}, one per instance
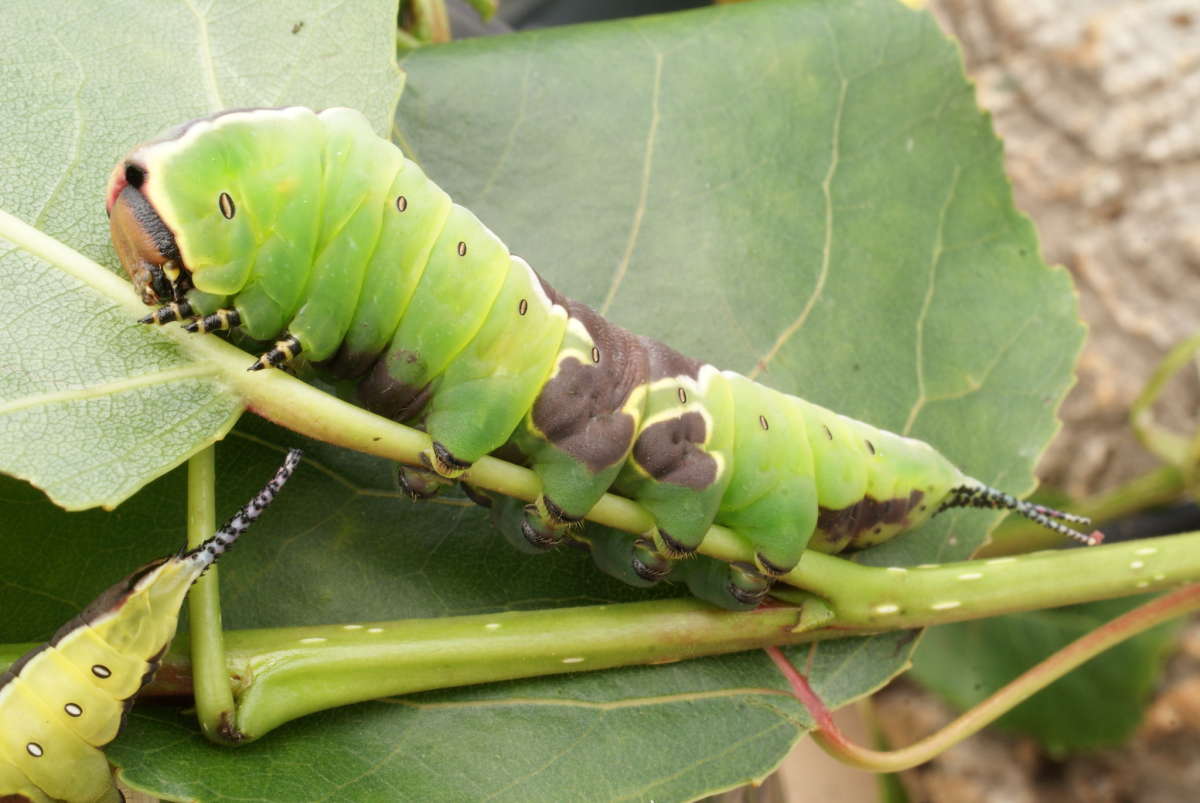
{"x":984,"y":496}
{"x":220,"y":542}
{"x":1059,"y":514}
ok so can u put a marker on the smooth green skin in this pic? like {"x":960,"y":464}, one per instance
{"x":451,"y":301}
{"x":357,"y":175}
{"x":845,"y":472}
{"x":14,"y":780}
{"x":378,"y":255}
{"x":496,"y":377}
{"x":264,"y":254}
{"x":125,"y":638}
{"x":404,"y":240}
{"x":806,"y":457}
{"x":772,"y":498}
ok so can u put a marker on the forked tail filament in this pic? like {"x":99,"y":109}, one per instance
{"x":986,"y":497}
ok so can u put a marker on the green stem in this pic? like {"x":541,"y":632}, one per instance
{"x":214,"y":696}
{"x":1178,"y":450}
{"x":898,"y":597}
{"x":298,"y":671}
{"x":285,"y":673}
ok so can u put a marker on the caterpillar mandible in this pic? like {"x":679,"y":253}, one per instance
{"x":63,"y":701}
{"x":309,"y":228}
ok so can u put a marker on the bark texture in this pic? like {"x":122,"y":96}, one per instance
{"x":1098,"y":102}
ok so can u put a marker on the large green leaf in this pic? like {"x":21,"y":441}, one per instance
{"x":805,"y":184}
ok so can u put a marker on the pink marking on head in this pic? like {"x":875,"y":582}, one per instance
{"x":116,"y":183}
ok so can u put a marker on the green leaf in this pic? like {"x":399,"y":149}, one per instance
{"x":1098,"y":705}
{"x":93,"y":406}
{"x":829,"y":202}
{"x":807,"y":185}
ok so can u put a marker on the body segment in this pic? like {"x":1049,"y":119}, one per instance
{"x":771,"y":499}
{"x":416,"y":299}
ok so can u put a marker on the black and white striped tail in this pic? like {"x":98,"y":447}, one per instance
{"x":986,"y":497}
{"x":223,"y":539}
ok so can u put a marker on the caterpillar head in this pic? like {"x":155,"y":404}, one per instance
{"x":207,"y":204}
{"x":143,"y":242}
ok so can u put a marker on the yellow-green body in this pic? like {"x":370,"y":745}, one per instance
{"x":68,"y":698}
{"x":63,"y":701}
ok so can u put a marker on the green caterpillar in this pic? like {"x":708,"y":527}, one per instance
{"x":63,"y":701}
{"x":308,"y":227}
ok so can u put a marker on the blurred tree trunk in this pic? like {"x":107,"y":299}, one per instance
{"x":1098,"y":102}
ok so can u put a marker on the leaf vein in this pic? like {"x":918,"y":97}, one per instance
{"x":647,"y":168}
{"x":827,"y":246}
{"x":510,"y":140}
{"x":206,"y":59}
{"x":612,"y":705}
{"x":935,"y":258}
{"x":112,"y":388}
